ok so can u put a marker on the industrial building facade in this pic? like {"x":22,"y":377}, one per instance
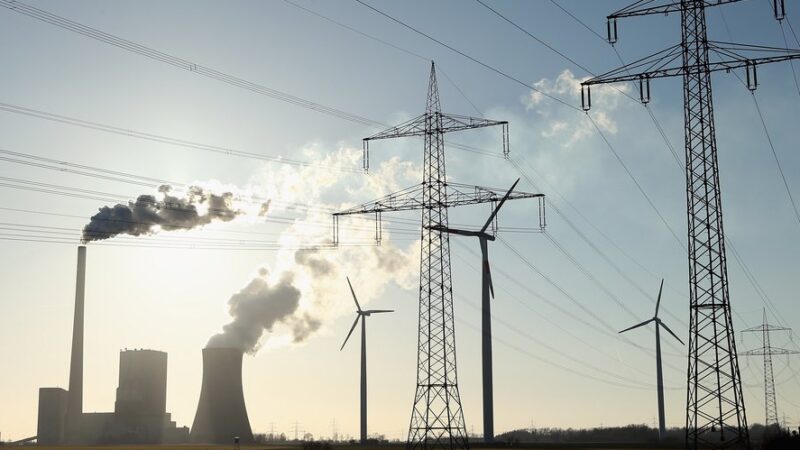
{"x":139,"y":415}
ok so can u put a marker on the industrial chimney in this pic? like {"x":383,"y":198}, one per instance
{"x":75,"y":393}
{"x":221,"y":413}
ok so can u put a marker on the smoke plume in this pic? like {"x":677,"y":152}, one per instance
{"x":305,"y":289}
{"x":148,"y":213}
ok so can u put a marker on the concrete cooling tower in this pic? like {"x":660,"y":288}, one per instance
{"x":221,"y":413}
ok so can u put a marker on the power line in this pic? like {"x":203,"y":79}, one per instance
{"x":554,"y":206}
{"x":599,"y":131}
{"x":123,"y":131}
{"x":538,"y":313}
{"x":577,"y":20}
{"x":624,"y":382}
{"x":608,"y":329}
{"x":164,"y":57}
{"x":512,"y":23}
{"x":180,"y":63}
{"x":608,"y":143}
{"x":127,"y":177}
{"x":777,"y":160}
{"x":492,"y":68}
{"x":636,"y":182}
{"x":764,"y":123}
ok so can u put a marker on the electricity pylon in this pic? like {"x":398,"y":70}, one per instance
{"x":487,"y":288}
{"x":767,"y":350}
{"x":362,"y":315}
{"x":715,"y":412}
{"x":437,"y":420}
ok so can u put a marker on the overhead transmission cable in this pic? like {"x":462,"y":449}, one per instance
{"x":608,"y":143}
{"x":122,"y":131}
{"x":157,"y":55}
{"x":477,"y":61}
{"x":764,"y":123}
{"x":678,"y":161}
{"x":175,"y":61}
{"x":526,"y":304}
{"x":597,"y":128}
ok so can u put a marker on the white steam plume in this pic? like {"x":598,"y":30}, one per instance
{"x":306,"y":288}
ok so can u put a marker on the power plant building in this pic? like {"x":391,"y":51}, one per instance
{"x":139,"y":415}
{"x":142,"y":387}
{"x":52,"y":413}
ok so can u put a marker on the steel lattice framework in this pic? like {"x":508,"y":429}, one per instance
{"x":715,"y":412}
{"x":437,"y":419}
{"x":767,"y":350}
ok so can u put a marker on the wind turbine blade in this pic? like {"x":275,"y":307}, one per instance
{"x":354,"y":294}
{"x":485,"y":259}
{"x":351,"y":331}
{"x":658,"y":302}
{"x":638,"y":325}
{"x":489,"y":277}
{"x":494,"y":213}
{"x":377,"y":311}
{"x":670,"y":331}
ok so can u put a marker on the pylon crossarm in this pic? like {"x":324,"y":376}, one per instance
{"x":665,"y":7}
{"x":412,"y":127}
{"x":407,"y":199}
{"x":412,"y":199}
{"x":440,"y":123}
{"x":649,"y":66}
{"x":449,"y":123}
{"x":728,"y":56}
{"x":455,"y":122}
{"x":770,"y":351}
{"x":767,"y":327}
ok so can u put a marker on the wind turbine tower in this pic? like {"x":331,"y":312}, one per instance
{"x":486,"y":313}
{"x":662,"y":430}
{"x":362,"y":315}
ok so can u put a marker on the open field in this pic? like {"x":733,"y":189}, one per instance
{"x":550,"y":446}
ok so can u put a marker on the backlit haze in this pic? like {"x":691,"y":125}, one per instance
{"x":263,"y":226}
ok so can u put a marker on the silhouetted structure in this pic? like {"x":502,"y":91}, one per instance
{"x":437,"y":420}
{"x":52,"y":414}
{"x":715,"y":412}
{"x":361,"y":314}
{"x":75,"y":392}
{"x":487,"y":288}
{"x":140,"y":415}
{"x":221,"y":412}
{"x":767,"y":350}
{"x":662,"y":427}
{"x":142,"y":383}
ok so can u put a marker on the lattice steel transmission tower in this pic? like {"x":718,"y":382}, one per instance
{"x":437,"y":420}
{"x":715,"y":413}
{"x":767,"y":350}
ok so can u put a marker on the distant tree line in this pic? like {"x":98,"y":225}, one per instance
{"x":771,"y":438}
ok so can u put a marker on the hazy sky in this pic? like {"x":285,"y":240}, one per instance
{"x":557,"y":359}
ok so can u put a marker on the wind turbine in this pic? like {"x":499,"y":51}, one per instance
{"x":361,"y":314}
{"x":659,"y":377}
{"x":486,"y":313}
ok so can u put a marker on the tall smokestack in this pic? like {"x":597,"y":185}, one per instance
{"x":221,"y":413}
{"x":75,"y":396}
